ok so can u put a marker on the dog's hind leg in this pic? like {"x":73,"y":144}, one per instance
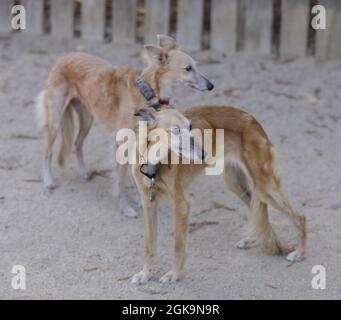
{"x":85,"y":123}
{"x":55,"y":103}
{"x":260,"y":229}
{"x":49,"y":181}
{"x":277,"y":199}
{"x":237,"y":182}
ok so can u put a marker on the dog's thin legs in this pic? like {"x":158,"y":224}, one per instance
{"x":58,"y":102}
{"x":236,"y":181}
{"x":260,"y":231}
{"x":280,"y":202}
{"x":150,"y":238}
{"x":121,"y":192}
{"x":49,"y":181}
{"x":85,"y":123}
{"x":180,"y":215}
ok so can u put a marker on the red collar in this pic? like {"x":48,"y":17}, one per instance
{"x":164,"y":102}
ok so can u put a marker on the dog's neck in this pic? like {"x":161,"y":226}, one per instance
{"x":152,"y":88}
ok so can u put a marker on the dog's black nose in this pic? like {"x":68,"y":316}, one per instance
{"x":210,"y":86}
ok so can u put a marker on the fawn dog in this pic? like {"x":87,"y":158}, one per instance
{"x":91,"y":87}
{"x":250,"y":172}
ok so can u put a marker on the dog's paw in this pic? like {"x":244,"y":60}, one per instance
{"x":246,"y":243}
{"x":85,"y":175}
{"x":169,"y":277}
{"x":140,"y":278}
{"x":129,"y":212}
{"x":50,"y":184}
{"x":295,"y":256}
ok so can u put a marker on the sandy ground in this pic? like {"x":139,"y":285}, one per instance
{"x":74,"y":243}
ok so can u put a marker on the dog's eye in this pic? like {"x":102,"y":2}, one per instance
{"x":190,"y":127}
{"x":188,"y":68}
{"x":176,"y":130}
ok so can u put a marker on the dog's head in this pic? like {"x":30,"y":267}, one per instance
{"x":175,"y":65}
{"x":169,"y":131}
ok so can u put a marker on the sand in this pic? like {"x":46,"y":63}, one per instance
{"x":75,"y":244}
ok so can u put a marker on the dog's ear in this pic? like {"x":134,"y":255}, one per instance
{"x":146,"y":115}
{"x":155,"y":54}
{"x":166,"y":42}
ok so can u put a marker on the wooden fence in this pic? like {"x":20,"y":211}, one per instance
{"x":278,"y":27}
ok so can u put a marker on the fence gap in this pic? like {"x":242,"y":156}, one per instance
{"x":47,"y":17}
{"x":206,"y":25}
{"x":190,"y":23}
{"x":224,"y":22}
{"x":173,"y":17}
{"x":311,"y":31}
{"x":108,"y":21}
{"x":62,"y":18}
{"x":77,"y":18}
{"x":328,"y":41}
{"x":258,"y":26}
{"x":240,"y":25}
{"x":276,"y":27}
{"x":156,"y":19}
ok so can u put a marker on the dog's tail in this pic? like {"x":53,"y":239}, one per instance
{"x":67,"y":134}
{"x":41,"y":113}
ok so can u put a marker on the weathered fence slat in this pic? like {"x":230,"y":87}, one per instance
{"x":294,"y":29}
{"x":190,"y":23}
{"x":224,"y":18}
{"x":156,"y":19}
{"x":93,"y":12}
{"x":258,"y":26}
{"x":34,"y":16}
{"x":62,"y":18}
{"x":328,"y":41}
{"x":124,"y":21}
{"x":5,"y":15}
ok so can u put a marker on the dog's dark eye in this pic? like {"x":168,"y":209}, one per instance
{"x":190,"y":127}
{"x":188,"y":68}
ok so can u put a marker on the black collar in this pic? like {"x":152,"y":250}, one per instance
{"x":150,"y":170}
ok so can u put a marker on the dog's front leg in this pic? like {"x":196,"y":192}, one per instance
{"x":180,"y":215}
{"x":150,"y":237}
{"x":121,"y":191}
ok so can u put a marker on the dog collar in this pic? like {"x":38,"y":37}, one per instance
{"x":149,"y":94}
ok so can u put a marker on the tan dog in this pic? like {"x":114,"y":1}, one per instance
{"x":249,"y":170}
{"x":91,"y":87}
